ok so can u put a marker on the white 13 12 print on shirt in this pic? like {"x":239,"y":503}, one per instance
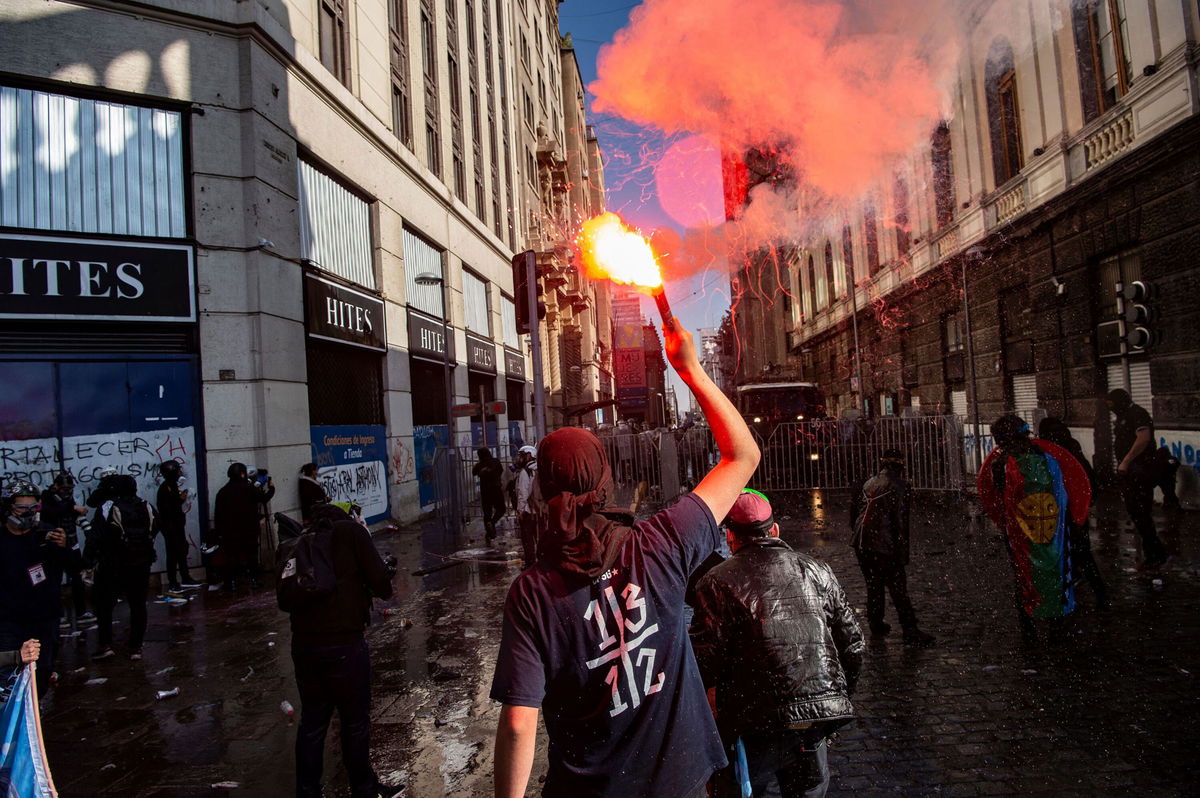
{"x":628,"y":656}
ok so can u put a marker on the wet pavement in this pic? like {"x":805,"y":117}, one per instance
{"x":1107,"y":706}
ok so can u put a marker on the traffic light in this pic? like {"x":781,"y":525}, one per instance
{"x":1138,"y":334}
{"x":523,"y":265}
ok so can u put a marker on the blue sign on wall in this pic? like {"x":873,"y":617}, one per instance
{"x":352,"y":465}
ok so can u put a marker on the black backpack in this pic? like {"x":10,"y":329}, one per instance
{"x":304,"y":564}
{"x":133,"y":521}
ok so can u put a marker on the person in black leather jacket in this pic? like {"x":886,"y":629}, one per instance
{"x":774,"y":634}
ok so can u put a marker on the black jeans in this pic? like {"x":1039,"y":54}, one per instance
{"x":493,"y":510}
{"x":112,"y":581}
{"x":789,"y":764}
{"x":885,"y":571}
{"x":14,"y":632}
{"x":329,"y":678}
{"x":1139,"y":499}
{"x":175,"y":543}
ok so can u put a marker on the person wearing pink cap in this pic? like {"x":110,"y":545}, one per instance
{"x":774,"y":634}
{"x":594,"y":634}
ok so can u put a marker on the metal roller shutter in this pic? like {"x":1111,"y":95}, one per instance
{"x":1024,"y":396}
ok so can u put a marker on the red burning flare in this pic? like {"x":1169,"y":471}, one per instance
{"x":612,"y":251}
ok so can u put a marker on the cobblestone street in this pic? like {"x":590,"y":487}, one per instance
{"x":1105,"y":707}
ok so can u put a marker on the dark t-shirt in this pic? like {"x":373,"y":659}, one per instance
{"x":610,"y":664}
{"x":31,"y":571}
{"x":1132,"y":419}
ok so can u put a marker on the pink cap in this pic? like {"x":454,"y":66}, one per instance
{"x":751,"y":507}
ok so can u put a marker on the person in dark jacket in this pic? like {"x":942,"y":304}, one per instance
{"x":490,"y":472}
{"x":879,"y":513}
{"x":312,"y":492}
{"x":33,"y":559}
{"x":1137,"y":471}
{"x":122,"y":549}
{"x":172,"y":517}
{"x":1079,"y":535}
{"x":774,"y":634}
{"x":332,"y":662}
{"x":237,"y":516}
{"x":60,"y":511}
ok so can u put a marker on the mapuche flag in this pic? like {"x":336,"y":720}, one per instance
{"x":23,"y":769}
{"x":1034,"y":496}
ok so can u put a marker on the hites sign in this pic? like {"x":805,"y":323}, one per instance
{"x":336,"y":313}
{"x":76,"y":278}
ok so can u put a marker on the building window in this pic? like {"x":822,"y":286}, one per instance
{"x":811,"y":304}
{"x":1004,"y":117}
{"x":954,"y":332}
{"x":401,"y":92}
{"x":335,"y":40}
{"x":848,"y":256}
{"x":831,"y":281}
{"x":475,"y":301}
{"x":943,"y":175}
{"x":335,"y":227}
{"x":871,"y":233}
{"x":421,"y":257}
{"x":903,"y":231}
{"x":508,"y":323}
{"x":433,"y":125}
{"x":1101,"y":33}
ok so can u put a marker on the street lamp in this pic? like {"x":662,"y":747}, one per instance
{"x":432,"y":279}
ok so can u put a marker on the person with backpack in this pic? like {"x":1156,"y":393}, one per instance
{"x":33,"y":559}
{"x":122,"y":549}
{"x":327,"y":577}
{"x":880,"y":510}
{"x":172,"y":515}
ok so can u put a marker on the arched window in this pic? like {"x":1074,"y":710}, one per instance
{"x":829,"y":273}
{"x":1101,"y":33}
{"x":903,"y":231}
{"x":943,"y":175}
{"x":812,"y":287}
{"x":1004,"y":116}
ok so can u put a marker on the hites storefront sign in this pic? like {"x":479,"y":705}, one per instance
{"x":336,"y":313}
{"x":92,"y":279}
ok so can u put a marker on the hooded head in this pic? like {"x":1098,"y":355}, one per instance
{"x":892,"y":460}
{"x":1009,"y":429}
{"x":1118,"y":400}
{"x":126,"y":485}
{"x":237,"y":471}
{"x":484,"y":453}
{"x":309,"y":470}
{"x":576,"y":482}
{"x":170,"y":470}
{"x":1054,"y":430}
{"x":21,"y":499}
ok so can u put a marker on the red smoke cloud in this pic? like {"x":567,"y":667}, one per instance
{"x":843,"y":88}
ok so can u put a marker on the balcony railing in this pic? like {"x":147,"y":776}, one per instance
{"x":1109,"y":141}
{"x":1010,"y":204}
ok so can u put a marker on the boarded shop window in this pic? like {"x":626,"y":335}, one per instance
{"x":429,"y":394}
{"x":335,"y":227}
{"x":89,"y":166}
{"x":345,"y":385}
{"x":515,"y":395}
{"x":508,"y":320}
{"x":422,"y":258}
{"x":475,"y":300}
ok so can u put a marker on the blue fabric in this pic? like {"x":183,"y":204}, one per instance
{"x":23,"y":769}
{"x":610,"y":664}
{"x":1061,"y":537}
{"x":741,"y":770}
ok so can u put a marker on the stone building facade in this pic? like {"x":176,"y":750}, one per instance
{"x":281,"y":228}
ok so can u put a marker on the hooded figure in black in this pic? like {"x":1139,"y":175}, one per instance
{"x":122,"y":547}
{"x":172,"y":519}
{"x":490,"y":472}
{"x":60,"y":510}
{"x":237,"y":515}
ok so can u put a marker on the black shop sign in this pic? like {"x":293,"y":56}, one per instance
{"x":333,"y":312}
{"x":75,"y":278}
{"x":427,"y":338}
{"x":514,"y":364}
{"x":481,"y":355}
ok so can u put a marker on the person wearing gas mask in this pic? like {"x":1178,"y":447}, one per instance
{"x":237,"y":517}
{"x":122,"y":547}
{"x":33,"y":559}
{"x":172,"y":518}
{"x":60,"y":510}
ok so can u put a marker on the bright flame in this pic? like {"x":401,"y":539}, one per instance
{"x":611,"y":251}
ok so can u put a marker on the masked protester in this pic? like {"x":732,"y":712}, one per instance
{"x":172,"y":500}
{"x":1033,"y":490}
{"x":776,"y":638}
{"x":880,"y":510}
{"x":33,"y":559}
{"x":237,"y":516}
{"x":1137,"y":471}
{"x":593,"y":632}
{"x":490,"y":472}
{"x":59,"y":510}
{"x":123,"y":550}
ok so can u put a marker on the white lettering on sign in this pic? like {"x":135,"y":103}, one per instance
{"x":97,"y":279}
{"x":348,"y":316}
{"x":433,"y":341}
{"x":482,"y":357}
